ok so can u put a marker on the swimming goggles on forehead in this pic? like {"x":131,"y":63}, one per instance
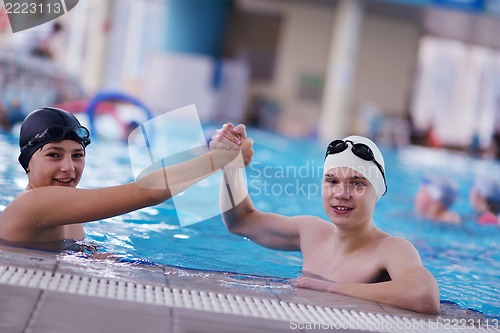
{"x":359,"y":149}
{"x":59,"y":133}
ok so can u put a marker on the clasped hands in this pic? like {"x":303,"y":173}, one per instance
{"x":230,"y":137}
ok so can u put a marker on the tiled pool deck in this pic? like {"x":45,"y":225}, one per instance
{"x":52,"y":293}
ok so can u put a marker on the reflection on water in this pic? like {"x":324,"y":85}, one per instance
{"x":69,"y":245}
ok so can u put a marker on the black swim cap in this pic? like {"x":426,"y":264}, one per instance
{"x":39,"y":121}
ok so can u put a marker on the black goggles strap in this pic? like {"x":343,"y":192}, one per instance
{"x":56,"y":133}
{"x":360,"y":150}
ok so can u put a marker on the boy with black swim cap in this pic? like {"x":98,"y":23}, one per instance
{"x":348,"y":255}
{"x":51,"y":208}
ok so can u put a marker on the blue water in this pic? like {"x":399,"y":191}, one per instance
{"x":285,"y":177}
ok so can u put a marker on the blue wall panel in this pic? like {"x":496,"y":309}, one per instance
{"x":196,"y":26}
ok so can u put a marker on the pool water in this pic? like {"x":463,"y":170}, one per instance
{"x":285,"y":177}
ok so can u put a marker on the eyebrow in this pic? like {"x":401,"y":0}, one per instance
{"x":62,"y":149}
{"x":353,"y":177}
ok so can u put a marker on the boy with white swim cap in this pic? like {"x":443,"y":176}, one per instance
{"x":350,"y":256}
{"x":364,"y":157}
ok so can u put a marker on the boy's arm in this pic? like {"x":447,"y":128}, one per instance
{"x":411,"y":287}
{"x":274,"y":231}
{"x":271,"y":230}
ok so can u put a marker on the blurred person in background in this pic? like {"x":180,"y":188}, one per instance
{"x":11,"y":113}
{"x":43,"y":46}
{"x":493,"y":150}
{"x":484,"y":197}
{"x":41,"y":42}
{"x":4,"y":118}
{"x":434,"y":199}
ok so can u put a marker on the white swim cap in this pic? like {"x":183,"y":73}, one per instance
{"x":368,"y":169}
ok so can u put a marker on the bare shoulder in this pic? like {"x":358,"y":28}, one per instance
{"x":29,"y":206}
{"x":24,"y":203}
{"x":14,"y":219}
{"x":313,"y":226}
{"x":399,"y":249}
{"x":18,"y":206}
{"x":396,"y":242}
{"x":21,"y":207}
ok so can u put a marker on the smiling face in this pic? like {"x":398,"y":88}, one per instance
{"x":348,"y":197}
{"x":57,"y":164}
